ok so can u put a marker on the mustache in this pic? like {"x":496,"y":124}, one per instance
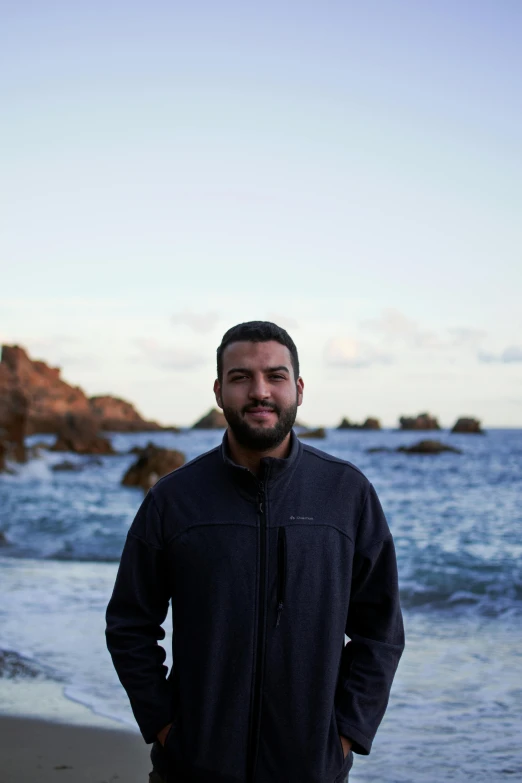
{"x":261,"y":404}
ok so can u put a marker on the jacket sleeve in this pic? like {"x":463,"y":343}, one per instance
{"x":136,"y":610}
{"x":375,"y":629}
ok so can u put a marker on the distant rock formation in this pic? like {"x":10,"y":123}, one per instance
{"x":428,"y":447}
{"x":468,"y":426}
{"x":49,"y":398}
{"x":320,"y":432}
{"x":369,"y":424}
{"x":80,"y":435}
{"x":152,"y":464}
{"x":422,"y":447}
{"x":117,"y":415}
{"x":421,"y":422}
{"x":213,"y":420}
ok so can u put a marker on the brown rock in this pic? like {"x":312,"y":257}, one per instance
{"x":213,"y":420}
{"x":152,"y":464}
{"x":369,"y":424}
{"x":3,"y":451}
{"x":80,"y":434}
{"x":49,"y":398}
{"x":428,"y":447}
{"x":421,"y":422}
{"x":117,"y":415}
{"x":468,"y":426}
{"x":320,"y":432}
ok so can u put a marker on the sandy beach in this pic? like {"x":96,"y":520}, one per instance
{"x":39,"y":751}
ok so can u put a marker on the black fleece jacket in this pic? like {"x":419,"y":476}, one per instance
{"x":265,"y":576}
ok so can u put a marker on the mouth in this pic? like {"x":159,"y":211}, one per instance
{"x":260,"y":414}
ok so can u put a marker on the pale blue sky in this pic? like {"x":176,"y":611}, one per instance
{"x":351,"y":170}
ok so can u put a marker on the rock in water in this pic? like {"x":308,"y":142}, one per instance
{"x":117,"y":415}
{"x":320,"y":432}
{"x":371,"y":423}
{"x":421,"y":422}
{"x":428,"y":447}
{"x":152,"y":464}
{"x":468,"y":425}
{"x":213,"y":420}
{"x":80,"y":435}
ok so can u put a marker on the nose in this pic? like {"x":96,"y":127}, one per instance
{"x":259,"y":388}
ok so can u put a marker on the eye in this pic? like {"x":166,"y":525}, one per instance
{"x":238,"y":378}
{"x":277,"y":377}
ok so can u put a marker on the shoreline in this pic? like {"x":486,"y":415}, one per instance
{"x":40,"y":750}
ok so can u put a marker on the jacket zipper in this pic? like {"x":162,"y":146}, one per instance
{"x":256,"y":706}
{"x":281,"y":571}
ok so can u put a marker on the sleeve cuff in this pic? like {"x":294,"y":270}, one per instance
{"x":360,"y":742}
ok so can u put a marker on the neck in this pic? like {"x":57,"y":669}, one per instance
{"x":248,"y":458}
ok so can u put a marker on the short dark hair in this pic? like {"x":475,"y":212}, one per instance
{"x":257,"y":332}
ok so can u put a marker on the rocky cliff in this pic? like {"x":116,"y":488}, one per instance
{"x":50,"y":399}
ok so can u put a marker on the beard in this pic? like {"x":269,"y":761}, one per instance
{"x":260,"y":438}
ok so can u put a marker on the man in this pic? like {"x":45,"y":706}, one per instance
{"x":269,"y":550}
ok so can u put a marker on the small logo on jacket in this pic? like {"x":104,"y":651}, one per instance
{"x":311,"y":518}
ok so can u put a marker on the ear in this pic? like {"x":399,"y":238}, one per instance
{"x":217,"y":393}
{"x":300,"y":389}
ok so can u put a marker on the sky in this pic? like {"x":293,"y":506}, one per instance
{"x":351,"y":171}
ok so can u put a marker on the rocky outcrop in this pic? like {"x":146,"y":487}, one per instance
{"x":428,"y":447}
{"x":421,"y":422}
{"x":422,"y":447}
{"x":80,"y":435}
{"x":151,"y":465}
{"x":320,"y":432}
{"x":213,"y":420}
{"x":468,"y":425}
{"x":14,"y":424}
{"x":117,"y":415}
{"x":369,"y":424}
{"x":49,"y":398}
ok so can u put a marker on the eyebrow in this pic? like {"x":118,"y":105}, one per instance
{"x":279,"y":368}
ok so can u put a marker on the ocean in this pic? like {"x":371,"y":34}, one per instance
{"x":455,"y":712}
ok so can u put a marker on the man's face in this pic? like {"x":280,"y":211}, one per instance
{"x":258,"y":393}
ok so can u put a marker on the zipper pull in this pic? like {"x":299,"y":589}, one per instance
{"x":279,"y":610}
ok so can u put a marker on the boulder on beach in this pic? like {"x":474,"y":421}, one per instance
{"x":421,"y":422}
{"x":79,"y":434}
{"x":468,"y":425}
{"x":320,"y":432}
{"x":152,"y":464}
{"x":428,"y":447}
{"x":213,"y":420}
{"x":371,"y":423}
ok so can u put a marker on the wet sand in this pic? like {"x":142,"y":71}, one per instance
{"x":36,"y":751}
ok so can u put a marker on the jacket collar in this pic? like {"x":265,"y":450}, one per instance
{"x":272,"y":467}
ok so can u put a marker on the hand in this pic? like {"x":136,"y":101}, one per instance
{"x":346,"y":743}
{"x":162,"y":735}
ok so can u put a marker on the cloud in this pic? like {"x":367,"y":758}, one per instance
{"x":168,"y":357}
{"x":510,"y":355}
{"x":201,"y":323}
{"x":347,"y":352}
{"x":393,"y":326}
